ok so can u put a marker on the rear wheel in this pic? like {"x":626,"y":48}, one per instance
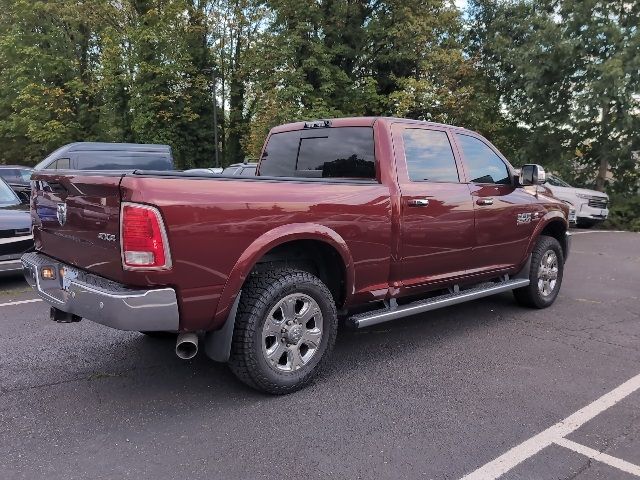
{"x":285,"y":329}
{"x":547,"y":267}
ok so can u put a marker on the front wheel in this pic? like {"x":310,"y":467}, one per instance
{"x":285,"y":329}
{"x":547,"y":268}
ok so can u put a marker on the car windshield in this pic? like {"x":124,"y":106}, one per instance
{"x":25,"y":174}
{"x":7,"y":197}
{"x":557,"y":181}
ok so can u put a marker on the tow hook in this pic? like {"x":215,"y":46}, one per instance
{"x":59,"y":316}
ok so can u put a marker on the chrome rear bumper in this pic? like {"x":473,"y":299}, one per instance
{"x":100,"y":300}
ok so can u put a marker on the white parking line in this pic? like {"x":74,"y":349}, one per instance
{"x":599,"y":456}
{"x":554,"y":434}
{"x":20,"y":302}
{"x":573,"y":232}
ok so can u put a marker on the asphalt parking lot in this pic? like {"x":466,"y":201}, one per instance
{"x":482,"y":389}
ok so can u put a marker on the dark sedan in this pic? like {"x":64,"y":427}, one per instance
{"x":15,"y":229}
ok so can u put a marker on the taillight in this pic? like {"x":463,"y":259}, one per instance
{"x":144,"y":239}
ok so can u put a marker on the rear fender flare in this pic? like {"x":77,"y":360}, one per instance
{"x":266,"y":242}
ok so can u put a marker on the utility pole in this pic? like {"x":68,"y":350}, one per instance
{"x":215,"y":117}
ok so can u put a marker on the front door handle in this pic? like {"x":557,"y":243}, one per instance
{"x":485,"y":201}
{"x":419,"y":202}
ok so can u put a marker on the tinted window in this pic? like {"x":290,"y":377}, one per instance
{"x":63,"y":164}
{"x":248,"y":172}
{"x":230,"y":171}
{"x":7,"y":197}
{"x":345,"y":152}
{"x":429,"y":156}
{"x":115,"y":160}
{"x":9,"y":174}
{"x":483,"y":164}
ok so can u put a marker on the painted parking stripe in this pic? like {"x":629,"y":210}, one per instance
{"x":599,"y":456}
{"x":20,"y":302}
{"x":530,"y":447}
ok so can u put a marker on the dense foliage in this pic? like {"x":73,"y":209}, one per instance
{"x":555,"y":82}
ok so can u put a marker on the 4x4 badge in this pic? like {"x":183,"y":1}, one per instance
{"x":61,"y":213}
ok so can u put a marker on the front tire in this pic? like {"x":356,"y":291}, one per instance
{"x":285,"y":329}
{"x":547,"y":268}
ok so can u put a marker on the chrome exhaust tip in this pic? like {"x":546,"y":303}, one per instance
{"x":187,"y":345}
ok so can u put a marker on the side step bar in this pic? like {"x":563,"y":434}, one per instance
{"x":386,"y":314}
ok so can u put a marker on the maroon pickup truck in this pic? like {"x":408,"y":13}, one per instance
{"x":360,"y":219}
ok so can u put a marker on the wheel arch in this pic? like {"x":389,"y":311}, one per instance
{"x":276,"y":244}
{"x":553,"y":224}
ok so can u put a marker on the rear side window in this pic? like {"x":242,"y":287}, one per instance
{"x":345,"y":152}
{"x":429,"y":156}
{"x":105,"y":160}
{"x":483,"y":164}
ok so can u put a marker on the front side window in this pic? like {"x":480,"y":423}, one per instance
{"x":483,"y":164}
{"x":344,"y":152}
{"x":429,"y":156}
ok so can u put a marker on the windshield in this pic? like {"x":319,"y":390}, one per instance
{"x":557,"y":181}
{"x":7,"y":197}
{"x":25,"y":174}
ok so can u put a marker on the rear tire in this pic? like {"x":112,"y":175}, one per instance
{"x":547,"y":268}
{"x":284,"y":331}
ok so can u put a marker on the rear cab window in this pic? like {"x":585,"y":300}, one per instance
{"x":330,"y":153}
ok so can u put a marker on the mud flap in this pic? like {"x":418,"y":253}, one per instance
{"x":217,"y":344}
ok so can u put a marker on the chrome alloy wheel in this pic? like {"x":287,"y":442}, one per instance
{"x":548,"y":273}
{"x":292,"y":332}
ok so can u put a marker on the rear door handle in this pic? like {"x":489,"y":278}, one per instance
{"x":485,"y":201}
{"x":419,"y":202}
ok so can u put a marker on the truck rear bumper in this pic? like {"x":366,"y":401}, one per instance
{"x":100,"y":300}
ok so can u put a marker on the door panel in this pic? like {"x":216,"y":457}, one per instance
{"x":437,"y":217}
{"x":504,"y":214}
{"x":501,"y":235}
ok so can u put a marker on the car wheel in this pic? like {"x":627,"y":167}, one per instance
{"x":547,"y":267}
{"x":284,"y":331}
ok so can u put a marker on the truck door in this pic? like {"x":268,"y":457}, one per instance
{"x":504,"y":214}
{"x":437,"y":223}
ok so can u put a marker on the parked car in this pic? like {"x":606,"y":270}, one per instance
{"x":109,"y":156}
{"x":260,"y":267}
{"x":206,"y":171}
{"x":246,"y":169}
{"x":19,"y":179}
{"x":591,"y":206}
{"x":15,"y":229}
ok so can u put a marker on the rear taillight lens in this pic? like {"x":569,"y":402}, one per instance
{"x":144,"y":240}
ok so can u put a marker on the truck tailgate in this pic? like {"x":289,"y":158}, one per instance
{"x":77,"y":219}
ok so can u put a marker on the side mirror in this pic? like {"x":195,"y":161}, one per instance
{"x":532,"y":174}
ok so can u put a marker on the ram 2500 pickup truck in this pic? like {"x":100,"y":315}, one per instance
{"x":362,"y":219}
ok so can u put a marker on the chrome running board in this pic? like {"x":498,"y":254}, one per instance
{"x":420,"y":306}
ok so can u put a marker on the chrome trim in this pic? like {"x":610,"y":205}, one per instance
{"x":10,"y":266}
{"x":568,"y":240}
{"x":101,"y":300}
{"x":163,"y":231}
{"x":384,"y":315}
{"x":6,"y":241}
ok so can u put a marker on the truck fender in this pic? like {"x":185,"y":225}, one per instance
{"x":266,"y":242}
{"x":552,"y":216}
